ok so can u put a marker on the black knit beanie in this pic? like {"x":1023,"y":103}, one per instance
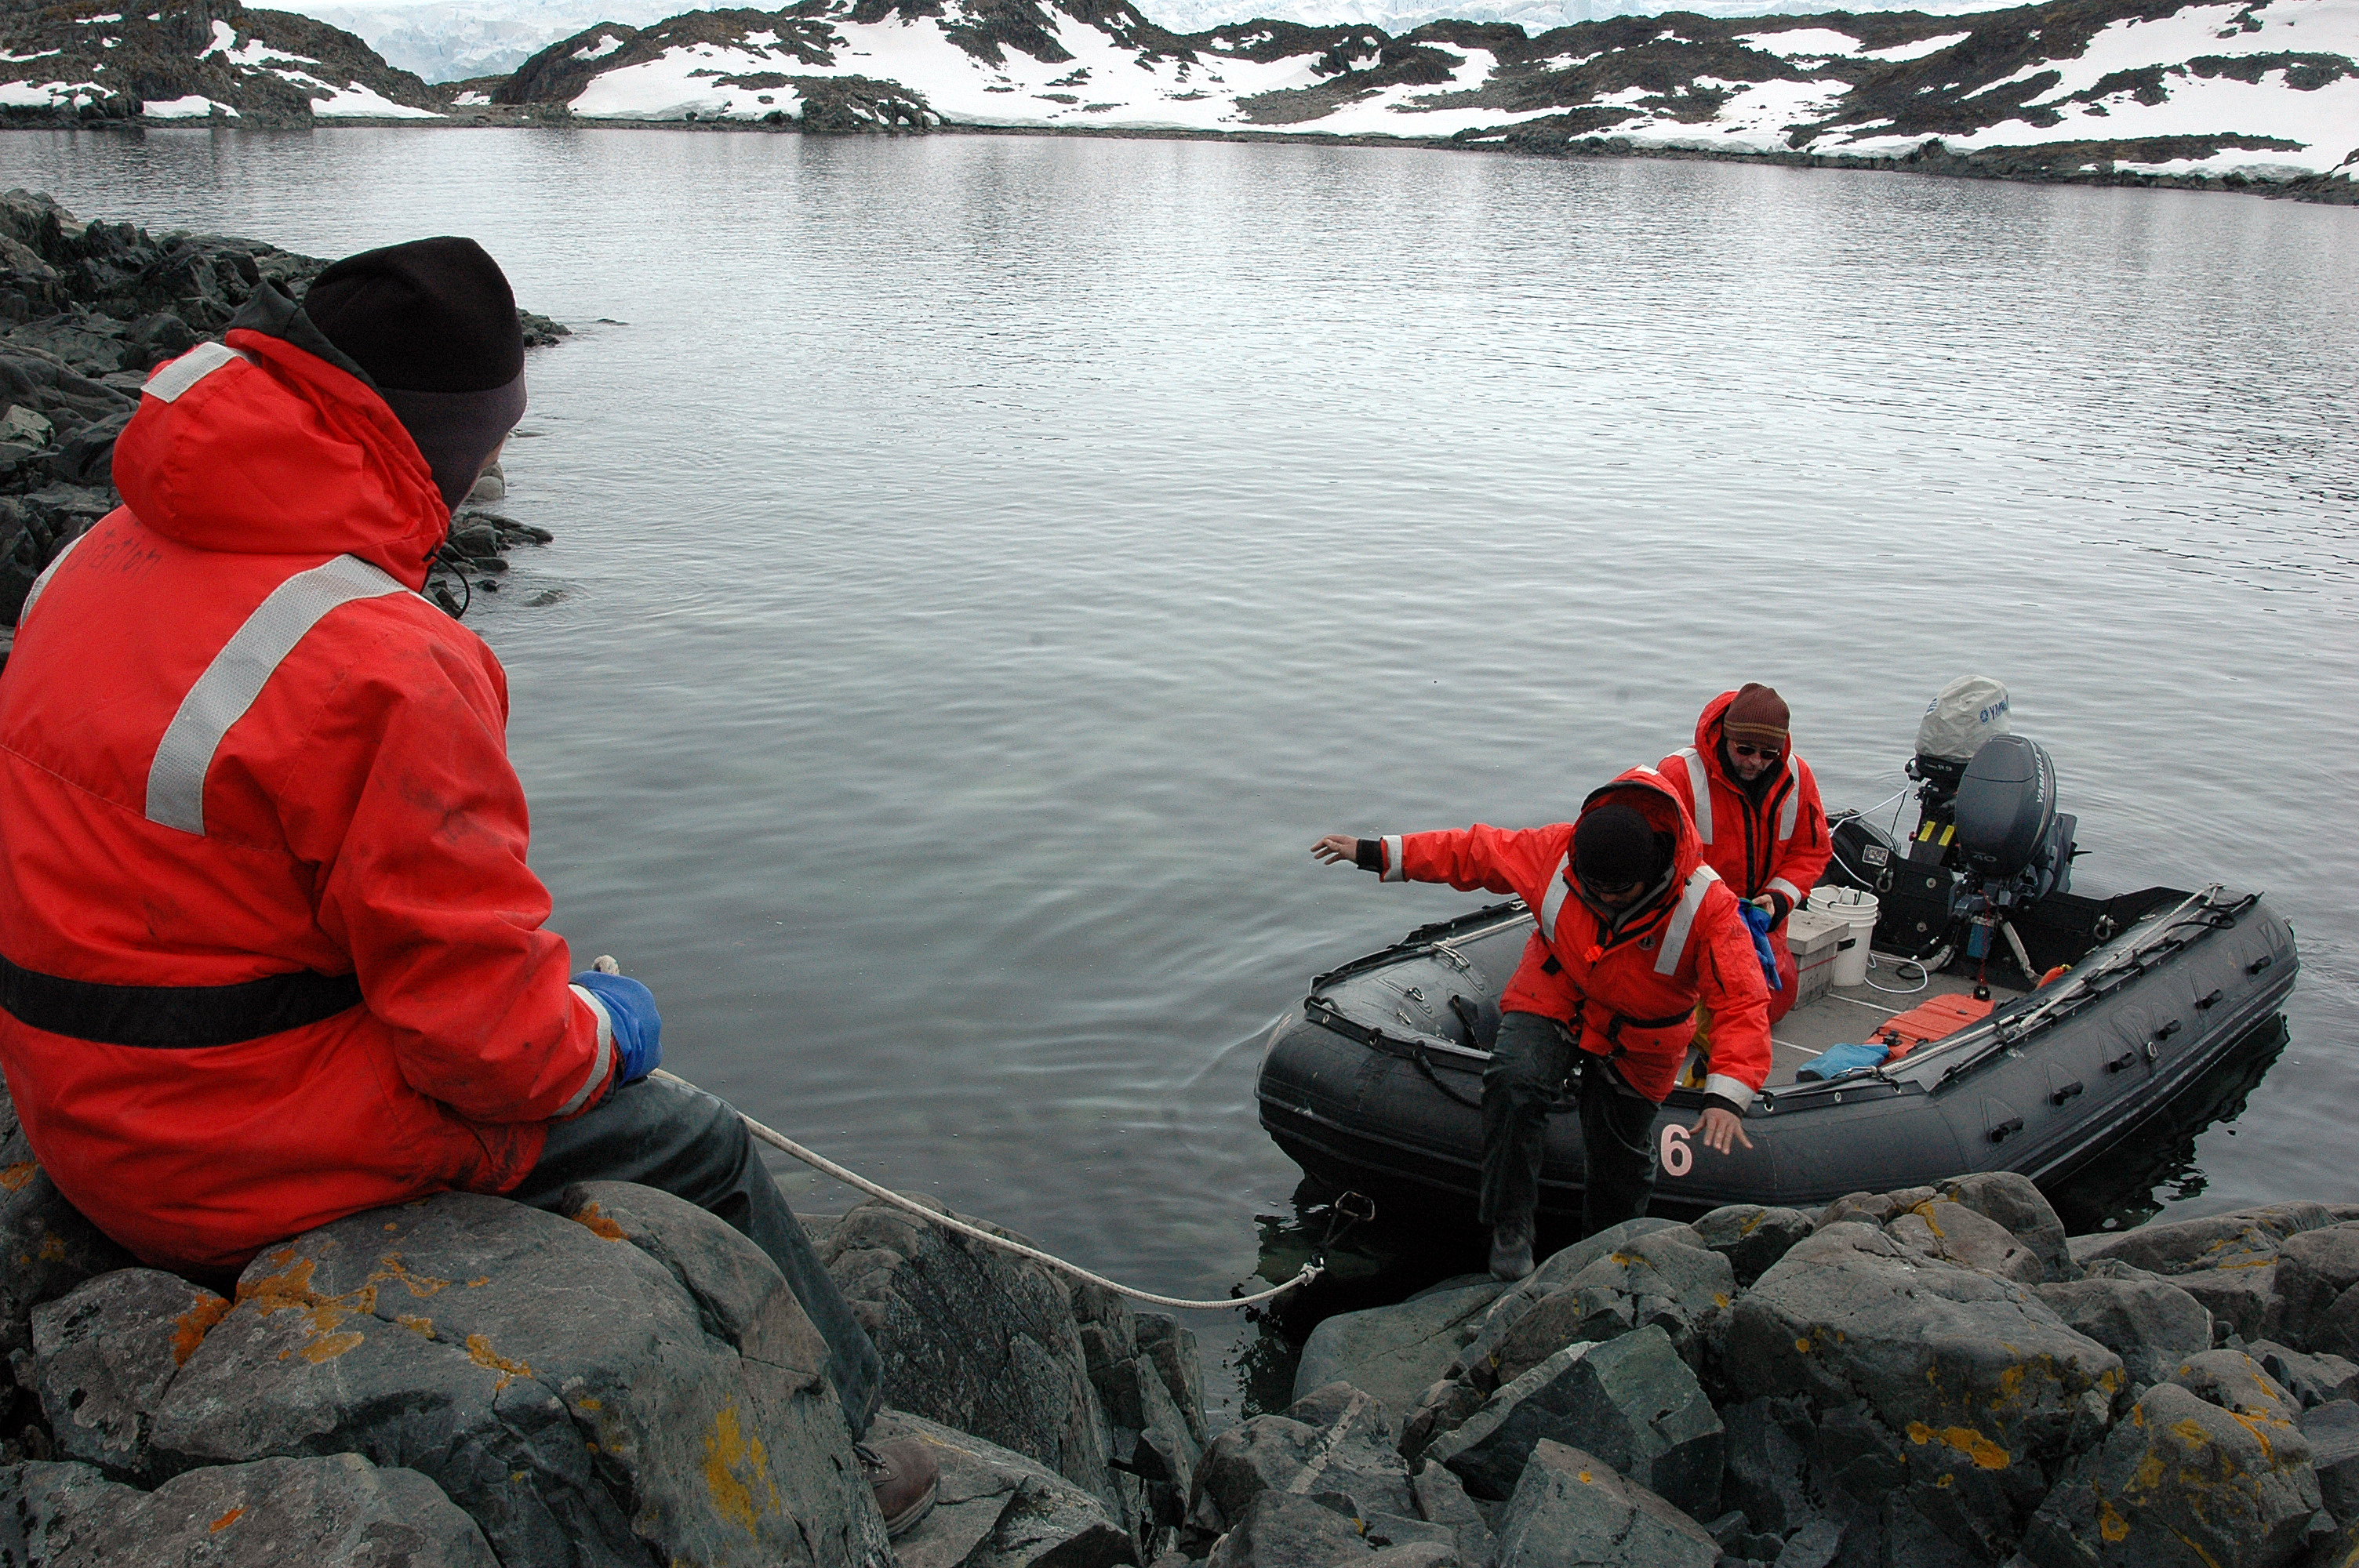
{"x":433,"y":323}
{"x":1614,"y":846}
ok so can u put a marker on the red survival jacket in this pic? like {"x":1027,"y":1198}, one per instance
{"x":1779,"y":845}
{"x":269,"y":951}
{"x":1631,"y":997}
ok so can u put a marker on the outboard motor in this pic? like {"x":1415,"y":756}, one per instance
{"x":2010,"y":837}
{"x":1969,"y":712}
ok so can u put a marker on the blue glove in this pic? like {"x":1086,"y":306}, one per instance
{"x":1756,"y":921}
{"x":638,"y":1028}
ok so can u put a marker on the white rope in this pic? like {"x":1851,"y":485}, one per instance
{"x":821,"y":1162}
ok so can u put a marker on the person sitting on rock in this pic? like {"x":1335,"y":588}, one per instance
{"x":1633,"y":930}
{"x":270,"y":953}
{"x":1757,"y":811}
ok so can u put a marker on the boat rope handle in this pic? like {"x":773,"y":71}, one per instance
{"x":1345,"y":1215}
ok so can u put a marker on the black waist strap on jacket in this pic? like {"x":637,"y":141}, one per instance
{"x":173,"y":1018}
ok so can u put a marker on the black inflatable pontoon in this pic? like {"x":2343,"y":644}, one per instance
{"x":1377,"y":1085}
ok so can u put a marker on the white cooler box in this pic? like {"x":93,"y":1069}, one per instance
{"x":1812,"y":937}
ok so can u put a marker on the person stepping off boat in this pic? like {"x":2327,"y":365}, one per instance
{"x":1633,"y":930}
{"x":1757,"y":812}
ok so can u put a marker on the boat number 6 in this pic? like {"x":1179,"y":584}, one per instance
{"x":1678,"y":1157}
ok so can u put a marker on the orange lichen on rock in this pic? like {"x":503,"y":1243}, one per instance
{"x":189,"y":1330}
{"x":480,"y":1351}
{"x":733,"y":1465}
{"x":597,"y":1224}
{"x":1986,"y":1454}
{"x":18,"y":1176}
{"x":227,"y":1519}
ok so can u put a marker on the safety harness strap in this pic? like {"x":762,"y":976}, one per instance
{"x":173,"y":1018}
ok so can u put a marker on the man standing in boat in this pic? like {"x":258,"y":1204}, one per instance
{"x":270,"y":951}
{"x":1757,"y":812}
{"x":1633,"y":930}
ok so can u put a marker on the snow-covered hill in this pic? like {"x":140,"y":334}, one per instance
{"x":2263,"y":90}
{"x":195,"y":60}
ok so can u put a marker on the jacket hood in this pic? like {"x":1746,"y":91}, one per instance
{"x":1649,"y":793}
{"x":285,"y":450}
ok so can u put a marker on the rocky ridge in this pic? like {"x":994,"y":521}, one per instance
{"x":193,"y":61}
{"x":86,"y":311}
{"x":2265,"y":93}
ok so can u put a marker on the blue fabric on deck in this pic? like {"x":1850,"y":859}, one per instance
{"x":1840,"y":1059}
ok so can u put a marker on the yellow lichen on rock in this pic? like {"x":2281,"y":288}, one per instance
{"x":734,"y":1465}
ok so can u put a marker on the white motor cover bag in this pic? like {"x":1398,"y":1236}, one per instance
{"x":1970,"y":710}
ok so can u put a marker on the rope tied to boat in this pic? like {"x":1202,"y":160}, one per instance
{"x":1350,"y":1210}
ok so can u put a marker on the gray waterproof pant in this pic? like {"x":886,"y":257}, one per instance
{"x":1531,"y":1057}
{"x":691,"y":1145}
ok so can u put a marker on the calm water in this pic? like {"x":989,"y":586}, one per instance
{"x":988,"y":564}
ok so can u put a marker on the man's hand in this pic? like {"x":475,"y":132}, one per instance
{"x":1765,"y":904}
{"x":1336,"y":847}
{"x":1716,"y":1127}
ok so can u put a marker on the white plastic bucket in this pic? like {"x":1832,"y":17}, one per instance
{"x":1858,"y":908}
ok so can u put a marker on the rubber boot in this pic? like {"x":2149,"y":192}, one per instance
{"x":1511,"y":1249}
{"x":905,"y":1480}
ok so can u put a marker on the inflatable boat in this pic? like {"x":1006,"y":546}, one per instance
{"x":1960,"y":1009}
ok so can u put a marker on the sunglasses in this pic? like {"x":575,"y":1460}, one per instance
{"x":1766,"y":753}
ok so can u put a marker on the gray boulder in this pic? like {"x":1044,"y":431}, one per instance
{"x":1572,"y":1507}
{"x":1871,"y":1208}
{"x":639,"y":1384}
{"x":2227,"y":1262}
{"x":1752,"y":1237}
{"x":1768,"y":1475}
{"x":46,"y":1508}
{"x":1443,"y":1407}
{"x":2149,"y":1322}
{"x":974,"y":1338}
{"x":1172,"y":1351}
{"x":1989,"y":1388}
{"x":2333,"y":1429}
{"x":1394,"y":1352}
{"x":1944,"y":1230}
{"x":2311,"y":1379}
{"x":1285,"y":1529}
{"x":1664,"y":1281}
{"x":46,"y":1248}
{"x":1338,"y":1441}
{"x":1153,"y":1447}
{"x":2014,"y":1202}
{"x":1631,"y":1402}
{"x":1478,"y":1361}
{"x":2315,"y":1269}
{"x":2234,"y":1381}
{"x":2180,"y":1482}
{"x":998,"y":1510}
{"x":336,"y":1511}
{"x":1441,"y":1499}
{"x":104,"y":1353}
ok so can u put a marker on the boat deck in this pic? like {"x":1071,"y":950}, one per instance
{"x":1854,"y":1012}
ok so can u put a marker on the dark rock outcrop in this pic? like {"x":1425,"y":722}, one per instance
{"x":998,"y":1510}
{"x":254,"y":67}
{"x":1571,"y":1507}
{"x":592,"y":1390}
{"x":336,"y":1511}
{"x":1396,"y":1352}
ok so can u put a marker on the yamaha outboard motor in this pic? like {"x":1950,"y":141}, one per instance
{"x":2010,"y":837}
{"x":1969,"y":712}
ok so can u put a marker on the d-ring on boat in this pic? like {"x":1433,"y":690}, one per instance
{"x":1378,"y":1085}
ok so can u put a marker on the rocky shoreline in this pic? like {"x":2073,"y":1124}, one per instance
{"x":1925,"y":1379}
{"x":86,"y":311}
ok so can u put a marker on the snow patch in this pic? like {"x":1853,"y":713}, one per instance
{"x":1916,"y":50}
{"x":1802,"y":43}
{"x":607,"y":44}
{"x":471,"y":99}
{"x":49,"y":94}
{"x":193,"y":107}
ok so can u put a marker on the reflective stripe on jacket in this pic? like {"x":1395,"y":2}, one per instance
{"x":1632,"y":994}
{"x":1779,"y":845}
{"x":240,"y":759}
